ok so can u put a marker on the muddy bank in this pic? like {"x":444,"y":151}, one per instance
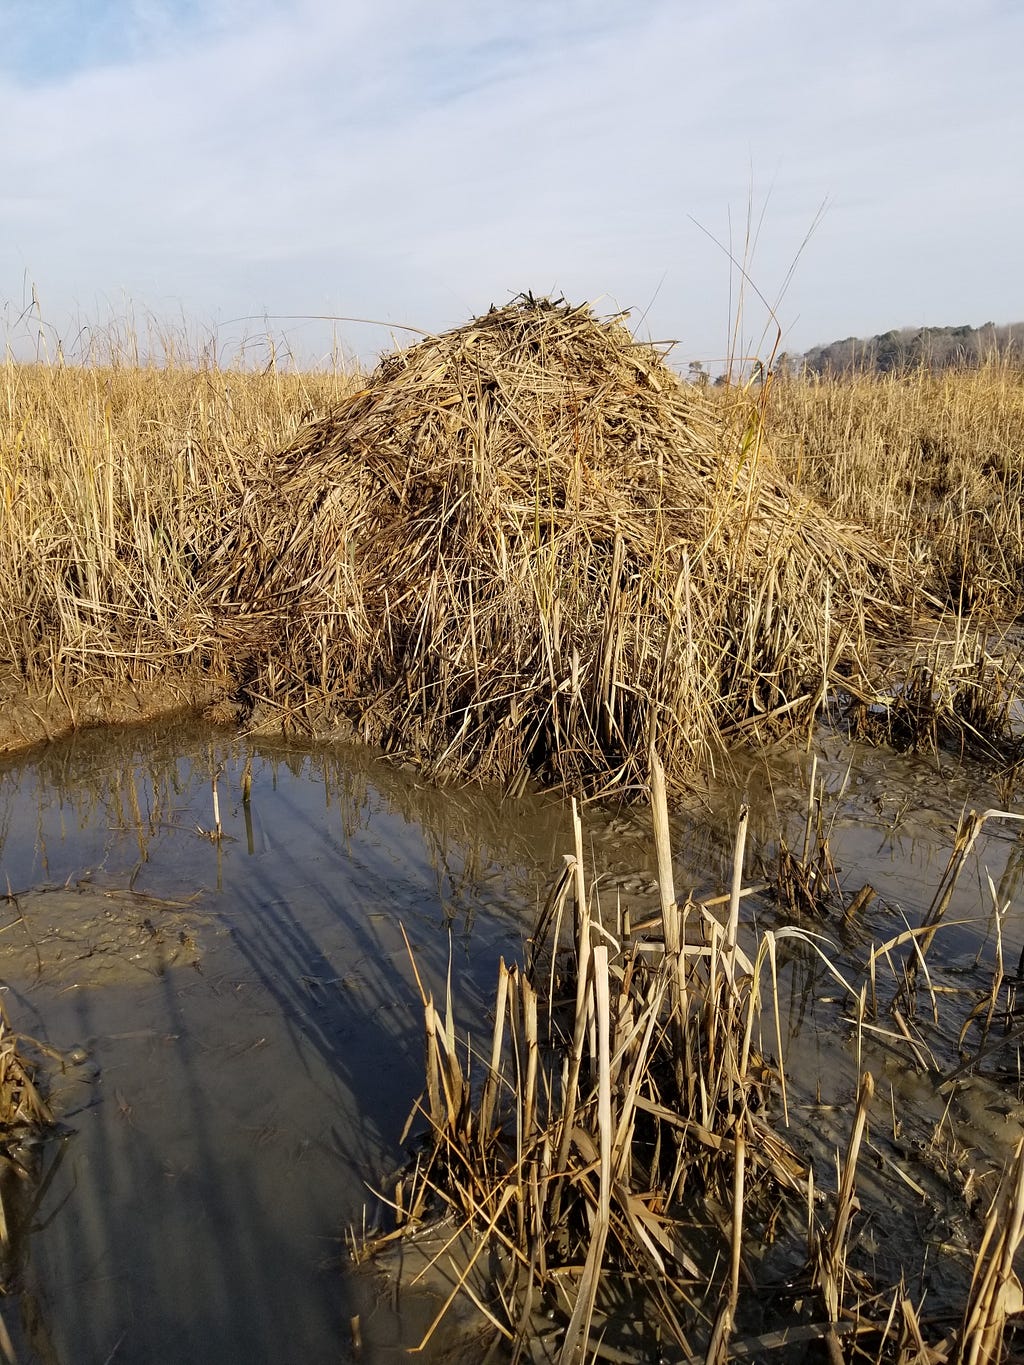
{"x":32,"y":714}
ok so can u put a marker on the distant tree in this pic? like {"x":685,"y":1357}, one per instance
{"x":937,"y":348}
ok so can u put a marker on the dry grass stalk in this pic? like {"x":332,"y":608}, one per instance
{"x":623,"y":1161}
{"x":962,"y":691}
{"x":832,"y":1245}
{"x":995,"y":1289}
{"x":920,"y":940}
{"x":589,"y":1161}
{"x":24,"y":1114}
{"x":933,"y":464}
{"x":23,"y":1110}
{"x":115,"y":480}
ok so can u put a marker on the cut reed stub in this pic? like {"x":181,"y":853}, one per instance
{"x":624,"y":1104}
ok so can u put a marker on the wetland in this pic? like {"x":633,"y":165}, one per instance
{"x":239,"y":1031}
{"x":763,"y":638}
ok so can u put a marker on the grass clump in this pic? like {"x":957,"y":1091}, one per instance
{"x":932,"y":463}
{"x":621,"y":1147}
{"x":115,"y":479}
{"x":625,"y":1169}
{"x":527,"y":548}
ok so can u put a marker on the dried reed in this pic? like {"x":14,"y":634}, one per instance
{"x":621,"y":1164}
{"x":115,"y":480}
{"x":23,"y":1114}
{"x":932,"y":463}
{"x":624,"y":1103}
{"x":995,"y":1289}
{"x":526,"y":548}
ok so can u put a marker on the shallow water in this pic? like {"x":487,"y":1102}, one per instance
{"x":231,"y":1107}
{"x":245,"y":1061}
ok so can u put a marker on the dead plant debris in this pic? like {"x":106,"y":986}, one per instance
{"x":527,"y":549}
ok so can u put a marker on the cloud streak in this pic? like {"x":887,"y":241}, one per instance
{"x":417,"y":163}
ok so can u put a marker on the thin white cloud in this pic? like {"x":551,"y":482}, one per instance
{"x":419,"y":162}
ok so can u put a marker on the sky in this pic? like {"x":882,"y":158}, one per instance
{"x":215,"y":170}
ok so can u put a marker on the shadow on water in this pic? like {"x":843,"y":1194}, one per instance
{"x":235,"y":1081}
{"x":228,"y":1113}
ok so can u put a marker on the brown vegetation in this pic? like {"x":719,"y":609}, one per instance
{"x":115,"y":480}
{"x":527,"y":548}
{"x":932,"y":464}
{"x":24,"y":1118}
{"x":524,"y":548}
{"x":633,"y":1172}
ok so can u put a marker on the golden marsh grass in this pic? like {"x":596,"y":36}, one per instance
{"x":523,"y":549}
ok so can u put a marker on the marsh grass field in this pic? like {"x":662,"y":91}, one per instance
{"x":183,"y":533}
{"x":731,"y":552}
{"x":527,"y":553}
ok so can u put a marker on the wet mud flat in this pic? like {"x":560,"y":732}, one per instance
{"x":242,"y":1033}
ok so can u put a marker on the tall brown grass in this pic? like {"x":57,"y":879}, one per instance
{"x":115,"y":480}
{"x":932,"y":463}
{"x":119,"y":482}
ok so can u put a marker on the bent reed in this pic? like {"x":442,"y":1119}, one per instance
{"x":628,"y":1167}
{"x":522,"y":549}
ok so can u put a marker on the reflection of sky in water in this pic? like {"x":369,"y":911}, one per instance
{"x":239,"y":1109}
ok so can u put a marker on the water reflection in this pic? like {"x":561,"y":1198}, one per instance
{"x":228,"y":1115}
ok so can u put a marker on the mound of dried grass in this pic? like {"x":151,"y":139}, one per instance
{"x":525,"y":547}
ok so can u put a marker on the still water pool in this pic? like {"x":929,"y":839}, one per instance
{"x":241,"y":1025}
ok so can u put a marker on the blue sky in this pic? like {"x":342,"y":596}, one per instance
{"x":197,"y":163}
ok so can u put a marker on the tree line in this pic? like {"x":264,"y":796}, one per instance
{"x":910,"y":348}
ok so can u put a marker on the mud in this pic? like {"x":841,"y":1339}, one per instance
{"x":31,"y":714}
{"x":75,"y":938}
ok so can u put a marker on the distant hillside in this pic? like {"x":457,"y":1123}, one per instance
{"x":938,"y":348}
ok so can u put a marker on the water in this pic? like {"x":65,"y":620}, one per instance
{"x":246,"y":1023}
{"x":231,"y":1107}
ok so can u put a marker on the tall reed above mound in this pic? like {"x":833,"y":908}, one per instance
{"x":525,"y":547}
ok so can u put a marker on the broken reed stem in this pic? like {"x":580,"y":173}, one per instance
{"x":433,"y":1079}
{"x":732,"y":924}
{"x":832,"y":1257}
{"x":529,"y":1003}
{"x":663,"y":850}
{"x":577,"y":1334}
{"x":493,"y":1069}
{"x":966,"y":837}
{"x":995,"y":1290}
{"x":718,"y":1350}
{"x":583,"y":1006}
{"x":218,"y":832}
